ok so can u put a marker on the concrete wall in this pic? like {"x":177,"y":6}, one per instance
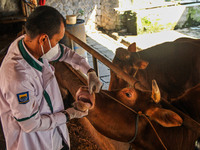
{"x":190,"y":16}
{"x":152,"y":20}
{"x":168,"y":18}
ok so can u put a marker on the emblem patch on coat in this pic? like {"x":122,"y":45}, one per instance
{"x":23,"y":98}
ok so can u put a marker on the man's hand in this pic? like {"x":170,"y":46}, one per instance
{"x":94,"y":84}
{"x":73,"y":113}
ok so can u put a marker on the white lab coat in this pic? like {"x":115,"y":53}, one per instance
{"x":31,"y":123}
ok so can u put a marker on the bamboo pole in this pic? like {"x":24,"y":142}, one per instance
{"x":131,"y":80}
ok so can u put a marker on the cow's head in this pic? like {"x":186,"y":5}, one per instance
{"x":130,"y":62}
{"x":148,"y":103}
{"x":117,"y":122}
{"x":130,"y":57}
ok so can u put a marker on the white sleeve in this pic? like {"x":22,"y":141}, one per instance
{"x":78,"y":62}
{"x":25,"y":107}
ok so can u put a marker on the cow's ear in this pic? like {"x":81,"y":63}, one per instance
{"x":132,"y":47}
{"x":165,"y":117}
{"x":141,"y":64}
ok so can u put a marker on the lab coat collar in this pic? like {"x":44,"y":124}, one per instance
{"x":30,"y":60}
{"x":47,"y":74}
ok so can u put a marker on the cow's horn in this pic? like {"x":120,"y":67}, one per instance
{"x":155,"y":92}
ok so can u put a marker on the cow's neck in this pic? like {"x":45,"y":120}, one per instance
{"x":110,"y":119}
{"x":173,"y":138}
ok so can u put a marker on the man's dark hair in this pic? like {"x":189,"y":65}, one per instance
{"x":44,"y":19}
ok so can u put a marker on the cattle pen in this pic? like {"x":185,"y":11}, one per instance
{"x":188,"y":121}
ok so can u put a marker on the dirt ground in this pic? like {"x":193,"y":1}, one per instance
{"x":83,"y":136}
{"x":79,"y":138}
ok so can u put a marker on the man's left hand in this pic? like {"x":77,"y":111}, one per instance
{"x":94,"y":84}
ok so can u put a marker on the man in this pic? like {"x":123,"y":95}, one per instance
{"x":31,"y":106}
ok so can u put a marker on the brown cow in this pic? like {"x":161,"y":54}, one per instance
{"x":117,"y":122}
{"x":174,"y":65}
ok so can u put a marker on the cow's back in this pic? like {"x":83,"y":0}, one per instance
{"x":174,"y":65}
{"x":189,"y":102}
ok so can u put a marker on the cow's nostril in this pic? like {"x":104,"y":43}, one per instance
{"x":128,"y":94}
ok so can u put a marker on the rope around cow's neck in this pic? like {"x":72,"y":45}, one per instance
{"x":138,"y":114}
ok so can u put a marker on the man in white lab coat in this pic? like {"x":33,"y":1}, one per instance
{"x":31,"y":106}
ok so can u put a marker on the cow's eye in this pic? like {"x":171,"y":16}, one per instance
{"x":128,"y":94}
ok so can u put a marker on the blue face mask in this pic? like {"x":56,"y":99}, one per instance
{"x":52,"y":52}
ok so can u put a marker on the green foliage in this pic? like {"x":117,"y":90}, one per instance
{"x":192,"y":17}
{"x":80,"y":12}
{"x":152,"y":26}
{"x":145,"y":21}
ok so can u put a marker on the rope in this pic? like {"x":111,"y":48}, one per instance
{"x":140,"y":114}
{"x":136,"y":129}
{"x":134,"y":75}
{"x":118,"y":102}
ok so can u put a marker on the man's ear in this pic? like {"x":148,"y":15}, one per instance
{"x":141,"y":64}
{"x":42,"y":39}
{"x":164,"y":117}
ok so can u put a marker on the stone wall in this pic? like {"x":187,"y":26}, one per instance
{"x":95,"y":12}
{"x":106,"y":16}
{"x":85,"y":9}
{"x":73,"y":7}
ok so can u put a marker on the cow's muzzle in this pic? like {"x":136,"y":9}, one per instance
{"x":84,"y":100}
